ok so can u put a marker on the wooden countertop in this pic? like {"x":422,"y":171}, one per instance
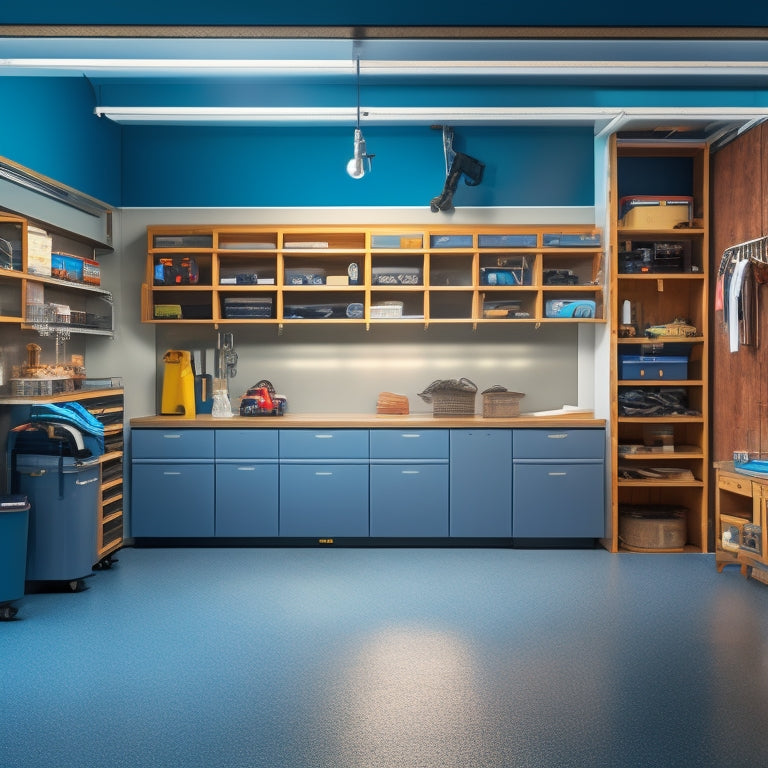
{"x":366,"y":420}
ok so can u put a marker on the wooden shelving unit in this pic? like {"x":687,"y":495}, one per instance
{"x":23,"y":292}
{"x":373,"y":275}
{"x":657,"y":297}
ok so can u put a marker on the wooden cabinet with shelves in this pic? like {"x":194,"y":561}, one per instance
{"x":37,"y":301}
{"x":237,"y":274}
{"x":741,"y":534}
{"x":659,"y":319}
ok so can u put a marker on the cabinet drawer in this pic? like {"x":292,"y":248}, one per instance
{"x":409,"y":444}
{"x":246,"y":443}
{"x":558,"y":444}
{"x":324,"y":444}
{"x":735,"y":485}
{"x":172,"y":443}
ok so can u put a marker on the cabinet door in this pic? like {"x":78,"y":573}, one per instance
{"x":323,"y":500}
{"x":409,"y":500}
{"x":172,"y":499}
{"x":558,"y":500}
{"x":246,"y":499}
{"x":481,"y":482}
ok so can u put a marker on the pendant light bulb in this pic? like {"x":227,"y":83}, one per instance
{"x":356,"y":166}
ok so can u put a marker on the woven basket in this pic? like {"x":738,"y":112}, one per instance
{"x":501,"y":404}
{"x":453,"y":403}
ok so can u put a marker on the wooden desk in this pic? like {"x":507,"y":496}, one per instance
{"x":740,"y":500}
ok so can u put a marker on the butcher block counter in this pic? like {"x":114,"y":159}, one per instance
{"x":370,"y":421}
{"x":367,"y":479}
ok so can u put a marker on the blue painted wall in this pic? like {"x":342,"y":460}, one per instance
{"x":349,"y":13}
{"x":306,"y":167}
{"x":48,"y":125}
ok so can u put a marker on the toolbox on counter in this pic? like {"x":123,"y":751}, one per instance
{"x":672,"y":367}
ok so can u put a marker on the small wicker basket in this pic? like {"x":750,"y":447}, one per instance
{"x":453,"y":403}
{"x":451,"y":397}
{"x":501,"y":404}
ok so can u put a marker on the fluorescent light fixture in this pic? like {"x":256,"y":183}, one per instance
{"x":400,"y":67}
{"x":42,"y":185}
{"x":232,"y":115}
{"x":603,"y":119}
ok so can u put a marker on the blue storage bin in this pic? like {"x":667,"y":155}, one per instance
{"x":572,"y":240}
{"x":450,"y":241}
{"x":671,"y":367}
{"x":506,"y":241}
{"x":64,"y":496}
{"x":14,"y":525}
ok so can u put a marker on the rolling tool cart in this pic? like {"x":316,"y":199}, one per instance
{"x":52,"y":467}
{"x":14,"y":523}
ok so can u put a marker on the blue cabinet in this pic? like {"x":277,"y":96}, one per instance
{"x":481,"y":483}
{"x":172,"y":483}
{"x":558,"y":483}
{"x":409,"y":483}
{"x":172,"y":500}
{"x":246,"y":482}
{"x":323,"y":483}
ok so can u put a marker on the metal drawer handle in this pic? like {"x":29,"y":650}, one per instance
{"x":245,"y":469}
{"x":410,"y":434}
{"x":410,"y":471}
{"x":557,"y":474}
{"x":327,"y":437}
{"x":558,"y":436}
{"x":172,"y":437}
{"x":87,"y":482}
{"x":171,"y":473}
{"x":323,"y":474}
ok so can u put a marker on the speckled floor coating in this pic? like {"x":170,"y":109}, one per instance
{"x":390,"y":658}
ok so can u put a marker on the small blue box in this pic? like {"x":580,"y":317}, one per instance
{"x":667,"y":367}
{"x":572,"y":240}
{"x":506,"y":241}
{"x":450,"y":241}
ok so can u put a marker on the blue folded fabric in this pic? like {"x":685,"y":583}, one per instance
{"x":76,"y":416}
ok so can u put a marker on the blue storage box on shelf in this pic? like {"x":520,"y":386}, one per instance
{"x":581,"y":308}
{"x":506,"y":241}
{"x":450,"y":241}
{"x":669,"y":367}
{"x":571,"y":240}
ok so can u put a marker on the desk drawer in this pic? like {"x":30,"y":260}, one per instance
{"x":254,"y":443}
{"x":324,"y":444}
{"x":409,"y":444}
{"x":172,"y":444}
{"x":558,"y":444}
{"x":738,"y":485}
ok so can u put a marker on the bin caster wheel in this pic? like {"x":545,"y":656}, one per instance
{"x":7,"y":612}
{"x":76,"y":585}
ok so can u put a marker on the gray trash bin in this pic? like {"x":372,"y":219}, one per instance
{"x":14,"y":524}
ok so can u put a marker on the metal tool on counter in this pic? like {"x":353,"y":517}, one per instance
{"x":226,"y":368}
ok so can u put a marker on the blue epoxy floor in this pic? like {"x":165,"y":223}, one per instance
{"x":390,"y":658}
